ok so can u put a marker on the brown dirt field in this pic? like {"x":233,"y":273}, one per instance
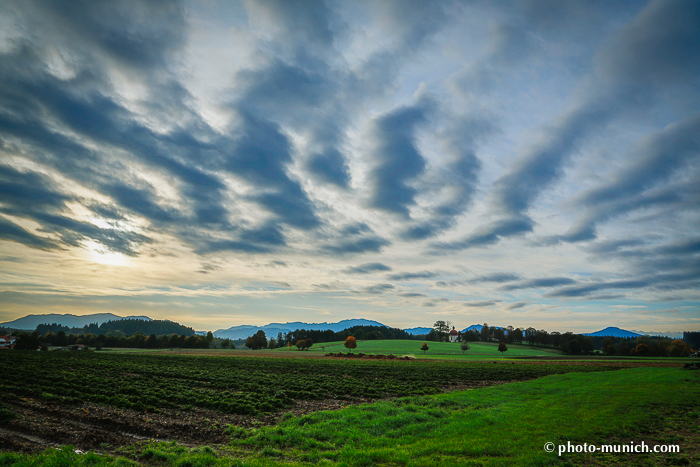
{"x":39,"y":425}
{"x":620,"y":362}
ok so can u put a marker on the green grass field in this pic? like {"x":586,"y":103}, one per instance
{"x":506,"y":425}
{"x":437,"y":350}
{"x":500,"y":426}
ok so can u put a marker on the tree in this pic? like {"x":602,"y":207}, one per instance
{"x":350,"y":343}
{"x":151,"y":342}
{"x":464,"y":346}
{"x":518,"y":335}
{"x":424,"y":347}
{"x":433,"y":336}
{"x":607,"y":342}
{"x":574,"y":347}
{"x":257,"y":341}
{"x":272,"y":343}
{"x":485,"y":332}
{"x":502,"y":347}
{"x":27,"y":342}
{"x":679,"y":348}
{"x":641,"y":349}
{"x":442,"y":328}
{"x":308,"y":343}
{"x":61,"y":338}
{"x":531,"y":335}
{"x":301,"y":344}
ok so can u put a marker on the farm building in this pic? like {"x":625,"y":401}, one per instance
{"x":454,"y":335}
{"x":7,"y":342}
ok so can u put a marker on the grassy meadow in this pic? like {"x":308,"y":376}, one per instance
{"x":437,"y":350}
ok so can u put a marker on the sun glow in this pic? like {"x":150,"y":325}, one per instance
{"x":99,"y":254}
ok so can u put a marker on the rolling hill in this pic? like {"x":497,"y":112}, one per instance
{"x":612,"y":332}
{"x":30,"y":322}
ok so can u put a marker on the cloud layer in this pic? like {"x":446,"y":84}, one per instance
{"x":460,"y":156}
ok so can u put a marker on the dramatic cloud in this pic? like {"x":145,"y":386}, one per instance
{"x":539,"y":283}
{"x":377,"y":289}
{"x":367,"y":268}
{"x":404,"y":276}
{"x":256,"y":161}
{"x":481,"y":303}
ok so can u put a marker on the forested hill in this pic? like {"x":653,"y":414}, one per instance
{"x":156,"y":326}
{"x":126,"y":326}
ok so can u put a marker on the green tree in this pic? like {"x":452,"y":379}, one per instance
{"x":152,"y":342}
{"x":350,"y":343}
{"x":464,"y":346}
{"x":502,"y":347}
{"x":424,"y":347}
{"x":678,"y":348}
{"x":27,"y":342}
{"x":518,"y":335}
{"x":174,"y":341}
{"x":61,"y":339}
{"x":257,"y":341}
{"x":607,"y":342}
{"x":574,"y":347}
{"x":442,"y":328}
{"x":272,"y":343}
{"x":432,"y":335}
{"x":485,"y":332}
{"x":531,"y":335}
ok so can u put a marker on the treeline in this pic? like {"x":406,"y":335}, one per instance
{"x":359,"y":332}
{"x":126,"y":326}
{"x":117,"y":339}
{"x":577,"y":344}
{"x":646,"y":346}
{"x":692,"y":339}
{"x":568,"y":342}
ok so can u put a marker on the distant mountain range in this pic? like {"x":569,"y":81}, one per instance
{"x":671,"y":334}
{"x":30,"y":322}
{"x":477,"y":327}
{"x":272,"y":329}
{"x":612,"y":332}
{"x":418,"y":331}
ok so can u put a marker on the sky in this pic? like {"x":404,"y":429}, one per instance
{"x":525,"y":163}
